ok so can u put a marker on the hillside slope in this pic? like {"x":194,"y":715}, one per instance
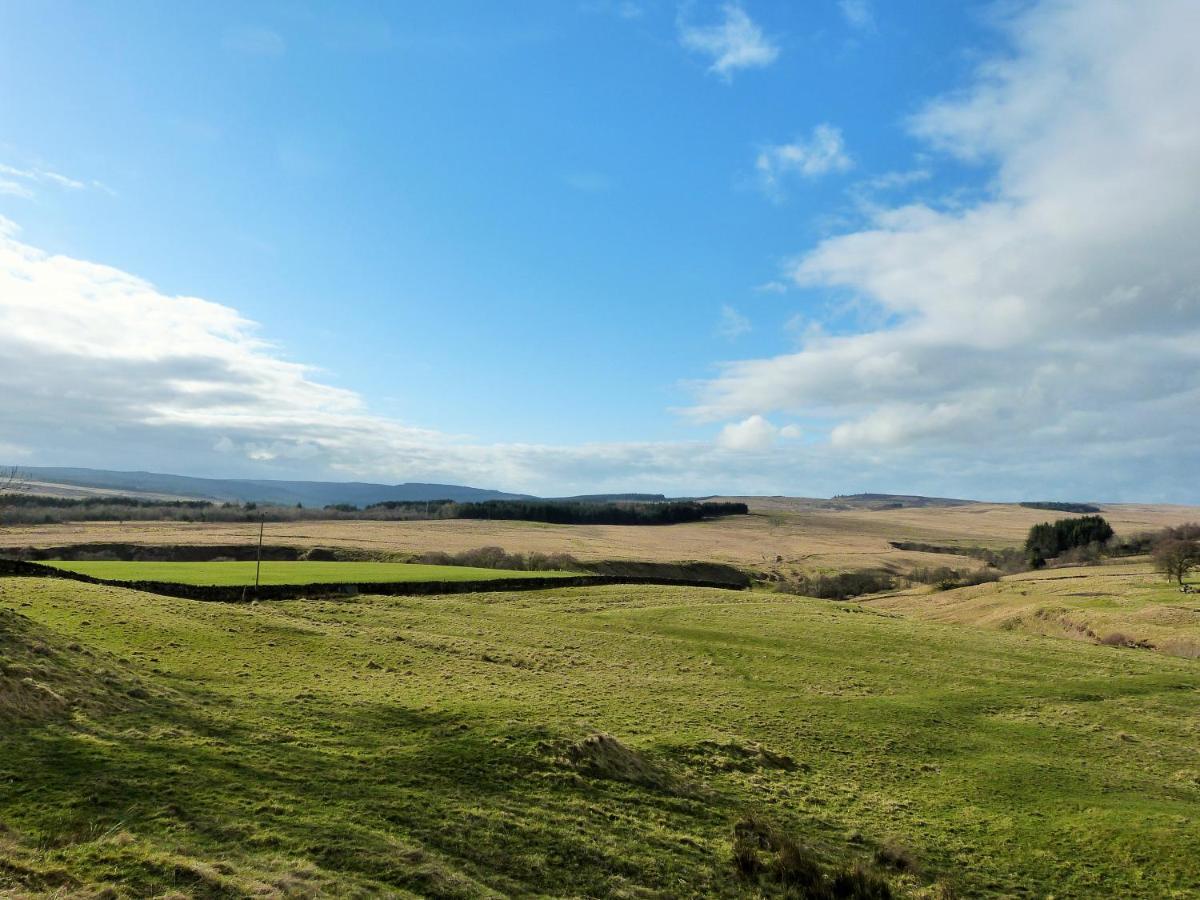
{"x":448,"y":747}
{"x":1122,"y":603}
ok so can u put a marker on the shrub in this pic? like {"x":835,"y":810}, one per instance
{"x":499,"y":558}
{"x":841,"y":586}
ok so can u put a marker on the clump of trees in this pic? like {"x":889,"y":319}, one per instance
{"x":1049,"y":540}
{"x":1058,"y":506}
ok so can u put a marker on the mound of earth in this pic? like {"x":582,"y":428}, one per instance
{"x":603,"y":756}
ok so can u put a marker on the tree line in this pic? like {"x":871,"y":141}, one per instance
{"x":670,"y":513}
{"x":34,"y":509}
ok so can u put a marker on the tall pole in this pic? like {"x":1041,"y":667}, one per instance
{"x":258,"y":561}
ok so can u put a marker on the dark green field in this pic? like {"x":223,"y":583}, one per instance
{"x":437,"y":747}
{"x":287,"y":572}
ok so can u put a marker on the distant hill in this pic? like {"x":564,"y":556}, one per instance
{"x":612,"y":498}
{"x":897,"y":501}
{"x":243,"y":490}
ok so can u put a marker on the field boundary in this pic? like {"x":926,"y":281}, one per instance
{"x":240,"y":594}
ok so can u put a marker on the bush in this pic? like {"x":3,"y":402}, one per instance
{"x":841,"y":586}
{"x":499,"y":558}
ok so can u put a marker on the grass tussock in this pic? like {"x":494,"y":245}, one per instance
{"x":773,"y":861}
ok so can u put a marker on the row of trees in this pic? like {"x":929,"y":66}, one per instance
{"x":671,"y":513}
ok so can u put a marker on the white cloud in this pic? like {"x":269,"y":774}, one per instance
{"x":254,"y":40}
{"x":754,"y":434}
{"x":733,"y":324}
{"x":820,"y":154}
{"x":1054,"y":324}
{"x":734,"y":43}
{"x":858,"y":14}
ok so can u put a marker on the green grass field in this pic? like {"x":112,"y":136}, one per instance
{"x":431,"y":747}
{"x":287,"y":572}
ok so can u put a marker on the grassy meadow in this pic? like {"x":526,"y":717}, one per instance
{"x":444,"y":746}
{"x":286,"y":572}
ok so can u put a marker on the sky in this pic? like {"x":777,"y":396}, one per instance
{"x":558,"y":247}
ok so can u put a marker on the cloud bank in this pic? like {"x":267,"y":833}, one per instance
{"x":1052,"y":324}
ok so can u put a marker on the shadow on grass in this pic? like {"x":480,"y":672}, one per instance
{"x":371,"y":791}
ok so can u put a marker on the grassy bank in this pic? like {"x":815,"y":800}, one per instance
{"x":438,"y":747}
{"x":286,"y":572}
{"x":1122,"y":603}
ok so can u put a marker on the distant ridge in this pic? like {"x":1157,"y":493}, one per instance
{"x":246,"y":490}
{"x":895,"y":501}
{"x":612,"y":498}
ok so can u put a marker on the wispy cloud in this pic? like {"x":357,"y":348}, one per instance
{"x":858,"y":14}
{"x":732,"y":324}
{"x":21,"y":182}
{"x":823,"y":152}
{"x":736,"y":42}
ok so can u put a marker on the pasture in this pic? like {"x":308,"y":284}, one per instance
{"x":290,"y":572}
{"x":443,"y":746}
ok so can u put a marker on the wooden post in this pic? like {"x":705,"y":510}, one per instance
{"x":258,"y":561}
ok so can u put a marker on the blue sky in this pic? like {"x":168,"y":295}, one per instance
{"x":566,"y":225}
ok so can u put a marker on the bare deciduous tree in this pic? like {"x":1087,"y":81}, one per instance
{"x":1175,"y":558}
